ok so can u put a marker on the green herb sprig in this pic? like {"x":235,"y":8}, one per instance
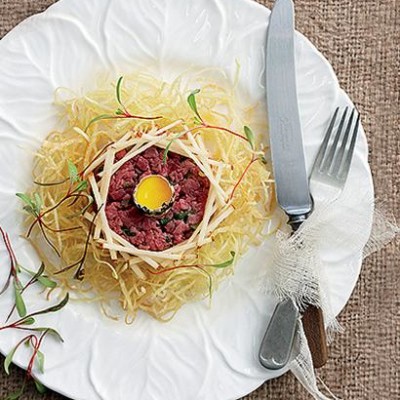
{"x":121,"y":112}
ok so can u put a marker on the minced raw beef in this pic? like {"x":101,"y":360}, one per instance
{"x":177,"y":224}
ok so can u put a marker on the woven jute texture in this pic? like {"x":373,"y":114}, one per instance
{"x":361,"y":39}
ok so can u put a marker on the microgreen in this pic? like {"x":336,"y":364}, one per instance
{"x":27,"y":321}
{"x":202,"y":124}
{"x":168,"y":147}
{"x":166,"y":151}
{"x":39,"y":277}
{"x":202,"y":268}
{"x":250,"y":136}
{"x":118,"y":94}
{"x":121,"y":112}
{"x":40,"y":387}
{"x":193,"y":105}
{"x":83,"y":185}
{"x":73,"y":172}
{"x":19,"y":290}
{"x":19,"y":301}
{"x":98,"y":118}
{"x":80,"y":263}
{"x":33,"y":204}
{"x":13,"y":273}
{"x":40,"y":361}
{"x":11,"y":354}
{"x":49,"y":331}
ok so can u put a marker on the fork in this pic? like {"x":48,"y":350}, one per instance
{"x":327,"y":180}
{"x":328,"y":177}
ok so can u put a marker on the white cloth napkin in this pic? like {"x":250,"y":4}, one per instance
{"x":343,"y":228}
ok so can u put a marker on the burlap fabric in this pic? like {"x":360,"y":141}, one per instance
{"x":361,"y":39}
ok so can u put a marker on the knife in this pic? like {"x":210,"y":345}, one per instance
{"x":288,"y":162}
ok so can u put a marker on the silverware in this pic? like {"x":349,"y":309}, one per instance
{"x":332,"y":164}
{"x":288,"y":163}
{"x":328,"y":177}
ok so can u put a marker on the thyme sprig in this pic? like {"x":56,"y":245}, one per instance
{"x":121,"y":112}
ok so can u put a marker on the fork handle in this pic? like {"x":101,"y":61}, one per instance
{"x":314,"y":329}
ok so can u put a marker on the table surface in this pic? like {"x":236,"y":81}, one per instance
{"x":361,"y":39}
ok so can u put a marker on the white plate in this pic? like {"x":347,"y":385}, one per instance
{"x":202,"y":353}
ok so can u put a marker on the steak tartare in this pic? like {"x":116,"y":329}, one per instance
{"x":151,"y":232}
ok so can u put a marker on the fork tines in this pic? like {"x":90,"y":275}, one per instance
{"x":336,"y":152}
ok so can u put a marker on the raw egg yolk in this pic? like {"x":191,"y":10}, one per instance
{"x":153,"y":193}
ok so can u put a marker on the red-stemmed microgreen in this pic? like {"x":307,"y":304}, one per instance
{"x":80,"y":263}
{"x":27,"y":321}
{"x":121,"y":112}
{"x":13,"y":276}
{"x":201,"y":267}
{"x":33,"y":204}
{"x":202,"y":124}
{"x":37,"y":357}
{"x":29,"y":318}
{"x":39,"y":277}
{"x":13,"y":261}
{"x":36,"y":277}
{"x":11,"y":354}
{"x":75,"y":191}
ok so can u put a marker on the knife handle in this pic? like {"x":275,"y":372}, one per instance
{"x":277,"y":344}
{"x":314,"y":329}
{"x":295,"y":221}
